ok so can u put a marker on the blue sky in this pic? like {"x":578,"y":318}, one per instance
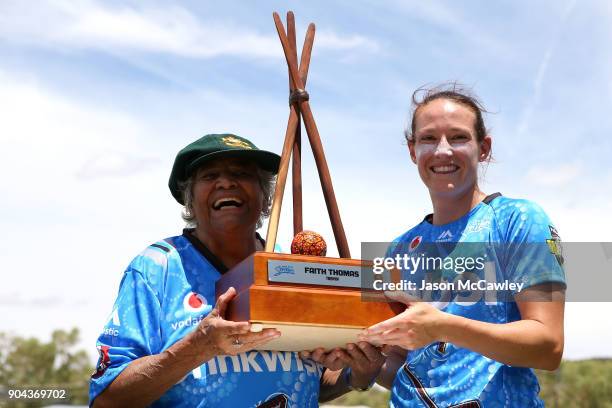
{"x":97,"y":97}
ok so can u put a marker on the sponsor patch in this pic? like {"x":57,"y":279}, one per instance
{"x":103,"y":362}
{"x":446,"y":236}
{"x":554,"y":244}
{"x":194,"y":302}
{"x":416,"y":241}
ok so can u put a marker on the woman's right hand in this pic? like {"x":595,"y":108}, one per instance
{"x":223,"y":337}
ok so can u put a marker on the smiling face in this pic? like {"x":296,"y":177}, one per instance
{"x":445,"y":147}
{"x":227,"y":195}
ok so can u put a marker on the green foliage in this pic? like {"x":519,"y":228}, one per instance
{"x":581,"y":384}
{"x":30,"y":363}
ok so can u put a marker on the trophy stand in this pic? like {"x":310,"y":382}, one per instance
{"x":314,"y":301}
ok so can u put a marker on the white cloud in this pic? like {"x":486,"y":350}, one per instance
{"x":583,"y":323}
{"x":554,"y":175}
{"x":332,"y":40}
{"x":114,"y":164}
{"x":49,"y":137}
{"x":454,"y":20}
{"x":538,"y":82}
{"x":173,"y":30}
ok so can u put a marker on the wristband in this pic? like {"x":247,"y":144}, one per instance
{"x":347,"y":379}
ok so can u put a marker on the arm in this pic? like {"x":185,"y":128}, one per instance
{"x":148,"y":378}
{"x":396,"y":356}
{"x":535,"y":341}
{"x":332,"y":385}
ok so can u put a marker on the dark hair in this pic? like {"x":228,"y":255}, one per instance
{"x":453,"y":91}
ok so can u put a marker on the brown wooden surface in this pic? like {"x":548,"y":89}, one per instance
{"x":301,"y":305}
{"x":274,"y":302}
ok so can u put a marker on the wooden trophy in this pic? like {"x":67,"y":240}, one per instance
{"x":314,"y":301}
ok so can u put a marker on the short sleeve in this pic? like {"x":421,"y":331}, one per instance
{"x":132,"y":330}
{"x":532,"y":247}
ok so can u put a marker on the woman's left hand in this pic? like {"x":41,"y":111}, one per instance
{"x":364,"y":359}
{"x":417,"y":326}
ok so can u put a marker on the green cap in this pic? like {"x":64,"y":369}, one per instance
{"x":211,"y":147}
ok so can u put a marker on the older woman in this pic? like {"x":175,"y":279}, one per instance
{"x":165,"y":344}
{"x":479,"y":351}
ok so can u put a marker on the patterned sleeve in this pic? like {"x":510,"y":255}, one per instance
{"x":132,"y":330}
{"x":532,"y":247}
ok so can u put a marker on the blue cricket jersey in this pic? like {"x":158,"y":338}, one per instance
{"x":519,"y":242}
{"x":165,"y":292}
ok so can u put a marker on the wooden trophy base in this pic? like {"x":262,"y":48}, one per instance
{"x":313,"y":301}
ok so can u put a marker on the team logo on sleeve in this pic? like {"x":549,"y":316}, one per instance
{"x":554,"y":244}
{"x":194,"y":302}
{"x":103,"y":361}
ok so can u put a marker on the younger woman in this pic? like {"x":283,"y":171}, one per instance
{"x":479,"y":352}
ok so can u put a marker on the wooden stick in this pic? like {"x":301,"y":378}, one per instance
{"x":306,"y":52}
{"x":317,"y":147}
{"x":281,"y":180}
{"x":292,"y":126}
{"x":292,"y":41}
{"x":296,"y":170}
{"x":296,"y":156}
{"x":296,"y":181}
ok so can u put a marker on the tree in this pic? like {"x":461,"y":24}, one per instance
{"x":28,"y":363}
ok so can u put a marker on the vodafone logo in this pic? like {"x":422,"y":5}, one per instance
{"x":416,"y":241}
{"x":194,"y":302}
{"x":103,"y":361}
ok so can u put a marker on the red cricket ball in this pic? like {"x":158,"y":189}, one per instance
{"x":308,"y":243}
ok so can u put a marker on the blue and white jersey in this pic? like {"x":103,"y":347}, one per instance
{"x":519,"y":243}
{"x":165,"y":292}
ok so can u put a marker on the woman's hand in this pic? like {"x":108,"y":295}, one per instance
{"x":364,"y":360}
{"x":415,"y":327}
{"x":224,"y":337}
